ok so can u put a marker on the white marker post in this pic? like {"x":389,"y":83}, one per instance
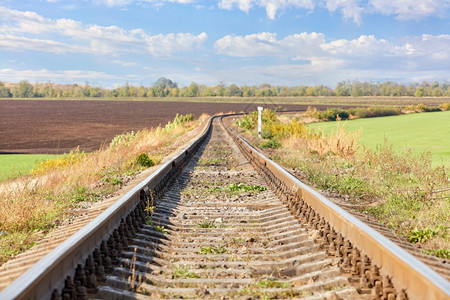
{"x":260,"y":109}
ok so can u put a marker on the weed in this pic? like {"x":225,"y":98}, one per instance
{"x":131,"y":280}
{"x":144,"y":160}
{"x":160,"y":229}
{"x":421,"y":235}
{"x":76,"y":177}
{"x":246,"y":122}
{"x":257,"y":289}
{"x":113,"y":178}
{"x":442,"y":253}
{"x":238,"y":240}
{"x":123,"y":139}
{"x":179,"y":119}
{"x":13,"y":243}
{"x":150,"y":209}
{"x":183,"y":272}
{"x":239,"y":188}
{"x":67,"y":160}
{"x":213,"y":250}
{"x":403,"y":188}
{"x":83,"y":194}
{"x":207,"y":224}
{"x":149,"y":221}
{"x":271,"y":283}
{"x":270,"y":144}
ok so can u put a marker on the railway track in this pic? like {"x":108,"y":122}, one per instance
{"x":220,"y":221}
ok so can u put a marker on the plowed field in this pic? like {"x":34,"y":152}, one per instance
{"x":57,"y":126}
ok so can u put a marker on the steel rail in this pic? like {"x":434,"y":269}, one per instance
{"x":407,"y":272}
{"x":50,"y":272}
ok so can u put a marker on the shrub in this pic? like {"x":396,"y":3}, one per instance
{"x":144,"y":160}
{"x":421,"y":108}
{"x":66,"y":182}
{"x":312,"y":112}
{"x":179,"y":119}
{"x":266,"y":133}
{"x":442,"y":253}
{"x":421,"y":235}
{"x":445,"y":106}
{"x":66,"y":160}
{"x":332,"y":114}
{"x":270,"y":144}
{"x":125,"y":139}
{"x":372,"y":112}
{"x":246,"y":122}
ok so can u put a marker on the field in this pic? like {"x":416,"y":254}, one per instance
{"x":12,"y":165}
{"x":57,"y":126}
{"x":418,"y":132}
{"x":328,"y":101}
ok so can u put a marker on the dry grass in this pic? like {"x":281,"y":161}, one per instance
{"x":338,"y":142}
{"x":32,"y":205}
{"x":400,"y":189}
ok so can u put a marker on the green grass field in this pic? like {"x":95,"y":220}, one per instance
{"x":13,"y":165}
{"x":419,"y":132}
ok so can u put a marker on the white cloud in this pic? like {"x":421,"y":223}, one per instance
{"x":301,"y":46}
{"x":22,"y":30}
{"x":259,"y":44}
{"x":139,"y":2}
{"x":411,"y":9}
{"x":161,"y":44}
{"x":124,"y":63}
{"x":296,"y":47}
{"x":304,"y":46}
{"x":364,"y":46}
{"x":71,"y":76}
{"x":19,"y":43}
{"x":345,"y":59}
{"x":350,"y":8}
{"x":271,"y":6}
{"x":243,"y":5}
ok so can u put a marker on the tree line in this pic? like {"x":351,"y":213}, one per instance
{"x":164,"y":87}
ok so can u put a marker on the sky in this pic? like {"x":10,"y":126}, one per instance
{"x":109,"y":43}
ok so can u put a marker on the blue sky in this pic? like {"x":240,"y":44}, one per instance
{"x":282,"y":42}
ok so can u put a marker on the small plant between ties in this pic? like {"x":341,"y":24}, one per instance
{"x":160,"y":229}
{"x":213,"y":250}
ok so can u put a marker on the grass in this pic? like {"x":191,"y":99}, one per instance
{"x":184,"y":272}
{"x":207,"y":224}
{"x":213,"y":250}
{"x":418,"y":132}
{"x":235,"y":189}
{"x":14,"y":165}
{"x":402,"y":189}
{"x":31,"y":206}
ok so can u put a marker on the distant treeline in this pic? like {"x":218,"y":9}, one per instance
{"x":164,"y":87}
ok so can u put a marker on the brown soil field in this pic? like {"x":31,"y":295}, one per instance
{"x":58,"y":126}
